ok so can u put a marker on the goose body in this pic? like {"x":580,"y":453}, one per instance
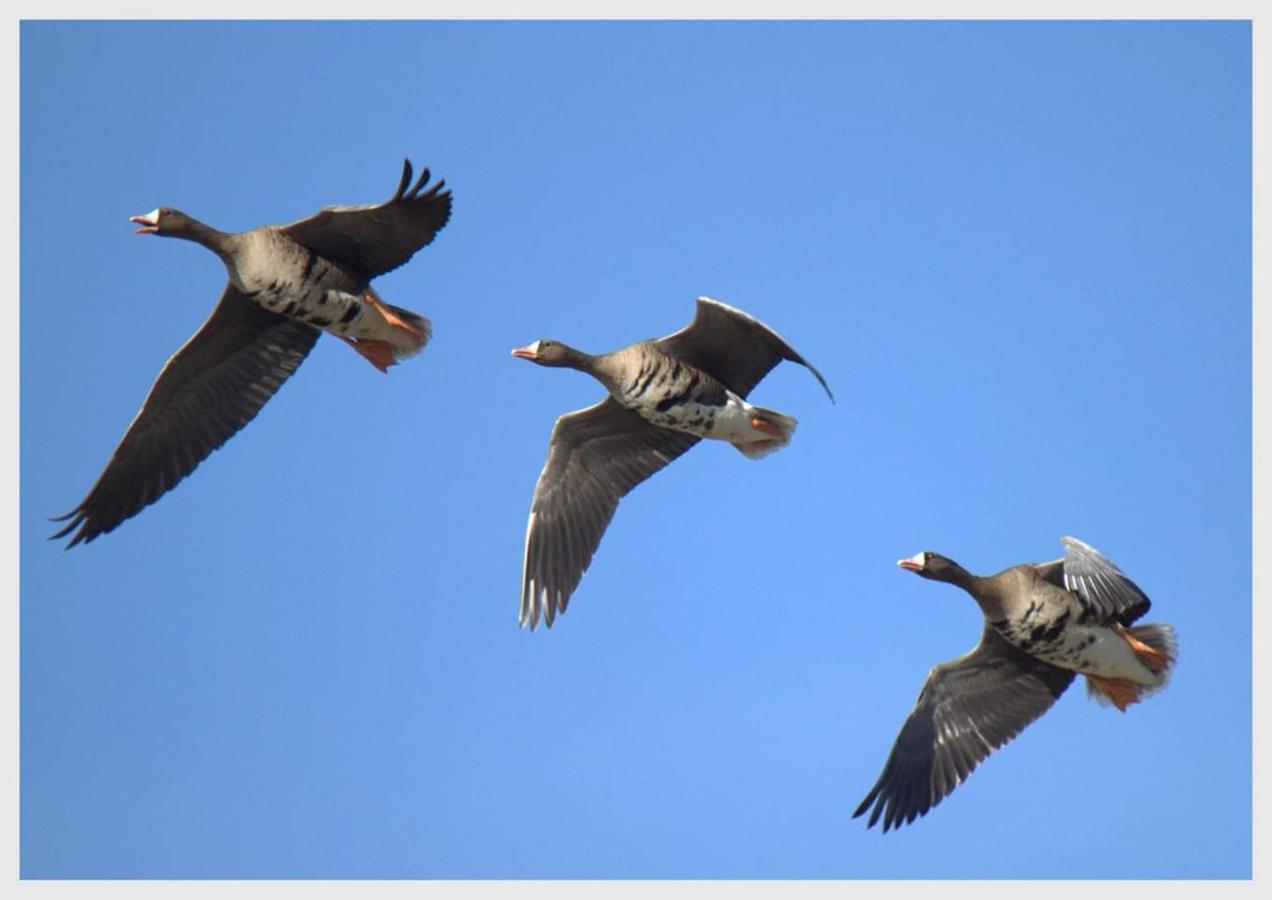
{"x":288,"y":278}
{"x":286,"y":284}
{"x":1051,"y":624}
{"x":1044,"y":625}
{"x":664,"y":396}
{"x":669,"y":393}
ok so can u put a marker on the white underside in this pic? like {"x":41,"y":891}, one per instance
{"x":733,"y":422}
{"x":1109,"y":655}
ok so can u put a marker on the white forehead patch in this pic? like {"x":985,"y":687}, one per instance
{"x":152,"y":217}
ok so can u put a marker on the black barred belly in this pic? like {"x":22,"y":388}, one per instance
{"x":336,"y":311}
{"x":1058,"y":640}
{"x":729,"y":421}
{"x":694,"y":418}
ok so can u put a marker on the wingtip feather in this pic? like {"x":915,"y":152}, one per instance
{"x":406,"y":180}
{"x":79,"y":518}
{"x":419,"y":184}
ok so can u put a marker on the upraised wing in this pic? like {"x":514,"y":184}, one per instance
{"x":1102,"y":587}
{"x":372,"y":240}
{"x":733,"y":346}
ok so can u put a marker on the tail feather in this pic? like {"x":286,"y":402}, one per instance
{"x":777,"y":428}
{"x":1162,"y":643}
{"x":406,"y":346}
{"x":1163,"y":650}
{"x":1121,"y":692}
{"x":406,"y":332}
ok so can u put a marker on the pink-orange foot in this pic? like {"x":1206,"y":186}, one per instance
{"x":1154,"y":659}
{"x":378,"y":353}
{"x":1120,"y":691}
{"x":764,"y":425}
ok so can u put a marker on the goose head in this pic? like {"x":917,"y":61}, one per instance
{"x":166,"y":222}
{"x":934,"y":566}
{"x":548,"y":353}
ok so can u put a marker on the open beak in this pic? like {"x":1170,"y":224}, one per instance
{"x":913,"y":564}
{"x":149,"y":223}
{"x":530,"y":352}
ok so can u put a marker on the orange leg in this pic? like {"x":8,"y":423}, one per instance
{"x":373,"y":300}
{"x":1154,"y":659}
{"x":764,"y":425}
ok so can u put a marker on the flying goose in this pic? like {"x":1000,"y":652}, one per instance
{"x":664,"y":395}
{"x":1044,"y":623}
{"x":287,"y":283}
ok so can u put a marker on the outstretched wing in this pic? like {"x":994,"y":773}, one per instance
{"x":210,"y":388}
{"x":1101,"y":586}
{"x":595,"y":456}
{"x":968,"y":708}
{"x":733,"y":346}
{"x":372,"y":240}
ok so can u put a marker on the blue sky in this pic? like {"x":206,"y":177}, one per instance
{"x":1020,"y":254}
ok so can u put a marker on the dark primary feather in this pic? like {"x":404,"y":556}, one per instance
{"x":595,"y":456}
{"x":1101,"y":586}
{"x":732,"y":346}
{"x":210,"y":388}
{"x":968,"y":708}
{"x":371,"y":240}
